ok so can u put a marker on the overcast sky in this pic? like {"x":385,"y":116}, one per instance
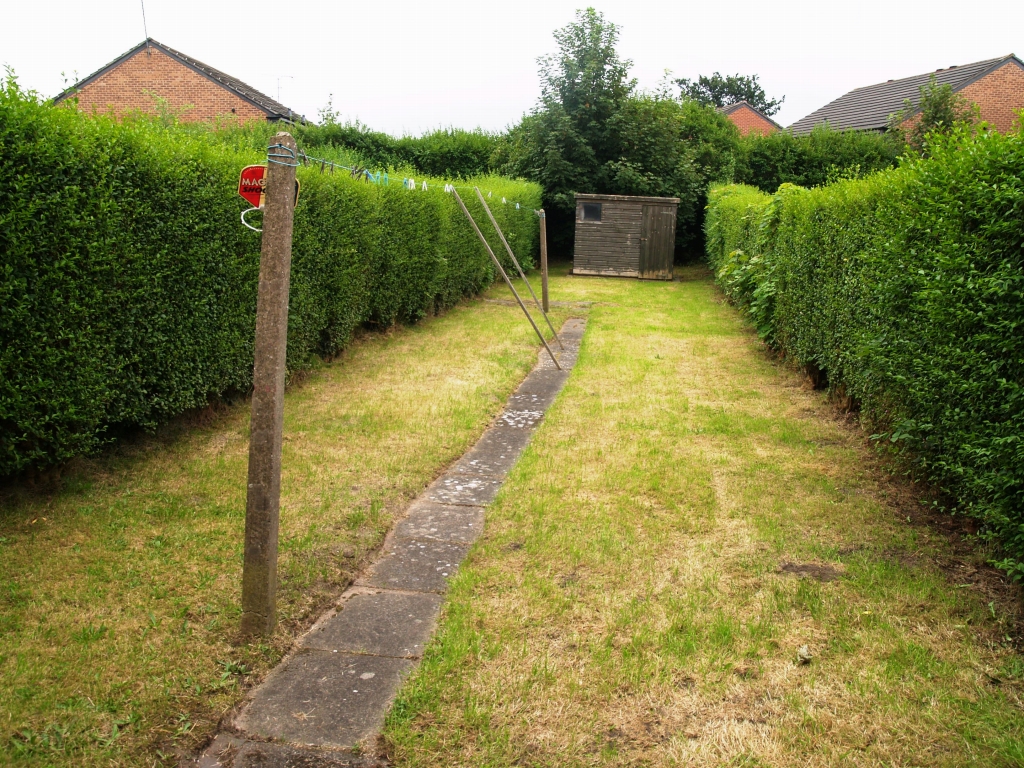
{"x":405,"y":66}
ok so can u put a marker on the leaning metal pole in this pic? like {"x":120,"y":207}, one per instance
{"x":516,"y":262}
{"x":501,"y":269}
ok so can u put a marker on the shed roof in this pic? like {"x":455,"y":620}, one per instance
{"x":628,"y":198}
{"x":274,"y":109}
{"x":869,"y":108}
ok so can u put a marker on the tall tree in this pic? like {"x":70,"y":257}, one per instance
{"x":593,"y":132}
{"x":722,"y":90}
{"x":570,"y":136}
{"x":586,"y":80}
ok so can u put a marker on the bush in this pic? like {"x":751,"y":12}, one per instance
{"x":449,"y":153}
{"x":128,"y":284}
{"x":822,"y":157}
{"x":904,"y":291}
{"x":661,"y":148}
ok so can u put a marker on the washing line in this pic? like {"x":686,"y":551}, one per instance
{"x":381,"y":177}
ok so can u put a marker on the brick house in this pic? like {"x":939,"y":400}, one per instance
{"x":749,"y":119}
{"x":196,"y":91}
{"x":995,"y":85}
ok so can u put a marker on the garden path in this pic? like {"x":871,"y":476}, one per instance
{"x":331,"y":694}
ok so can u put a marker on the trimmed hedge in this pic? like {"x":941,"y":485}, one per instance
{"x":821,"y":157}
{"x":905,"y":292}
{"x":128,"y":284}
{"x":449,"y":153}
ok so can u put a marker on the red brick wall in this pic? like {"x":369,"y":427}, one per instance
{"x":747,"y":120}
{"x":124,"y":87}
{"x":998,"y":94}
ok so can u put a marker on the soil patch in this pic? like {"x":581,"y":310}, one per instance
{"x":811,"y":570}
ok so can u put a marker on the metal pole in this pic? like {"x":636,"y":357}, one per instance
{"x":501,"y":269}
{"x":543,"y":258}
{"x":263,"y":500}
{"x":516,"y":262}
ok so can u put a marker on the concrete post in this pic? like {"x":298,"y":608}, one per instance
{"x":263,"y":500}
{"x":544,"y":259}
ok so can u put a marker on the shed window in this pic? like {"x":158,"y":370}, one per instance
{"x":591,"y":212}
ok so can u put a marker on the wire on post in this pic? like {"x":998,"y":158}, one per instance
{"x":381,"y":177}
{"x":288,"y":154}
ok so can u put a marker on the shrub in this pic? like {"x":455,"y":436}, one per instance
{"x":904,"y":290}
{"x":128,"y":284}
{"x":663,"y":148}
{"x":938,"y":110}
{"x":449,"y":153}
{"x":823,"y":156}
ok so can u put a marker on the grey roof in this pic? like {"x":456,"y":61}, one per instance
{"x":628,"y":198}
{"x":869,"y":108}
{"x":274,"y":109}
{"x":728,"y":109}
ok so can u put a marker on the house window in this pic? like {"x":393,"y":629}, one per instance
{"x":590,"y":212}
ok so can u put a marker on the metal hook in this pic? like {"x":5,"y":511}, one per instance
{"x":250,"y":226}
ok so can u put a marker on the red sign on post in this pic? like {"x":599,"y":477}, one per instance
{"x":252,"y":184}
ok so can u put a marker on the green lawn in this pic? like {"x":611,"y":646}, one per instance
{"x":687,"y":517}
{"x":629,"y":603}
{"x":119,"y":590}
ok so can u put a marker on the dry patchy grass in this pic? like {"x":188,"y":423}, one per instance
{"x":687,"y":518}
{"x":119,"y":587}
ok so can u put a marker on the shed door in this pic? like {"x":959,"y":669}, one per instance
{"x":658,"y":242}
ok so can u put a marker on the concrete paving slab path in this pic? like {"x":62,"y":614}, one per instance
{"x":465,"y":489}
{"x":324,"y":698}
{"x":227,"y":750}
{"x":422,"y":565}
{"x":430,"y":520}
{"x":378,"y":622}
{"x":325,"y":703}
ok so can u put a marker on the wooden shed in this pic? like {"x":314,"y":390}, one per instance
{"x":625,"y":236}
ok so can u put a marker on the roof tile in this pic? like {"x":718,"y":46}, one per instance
{"x":869,"y":108}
